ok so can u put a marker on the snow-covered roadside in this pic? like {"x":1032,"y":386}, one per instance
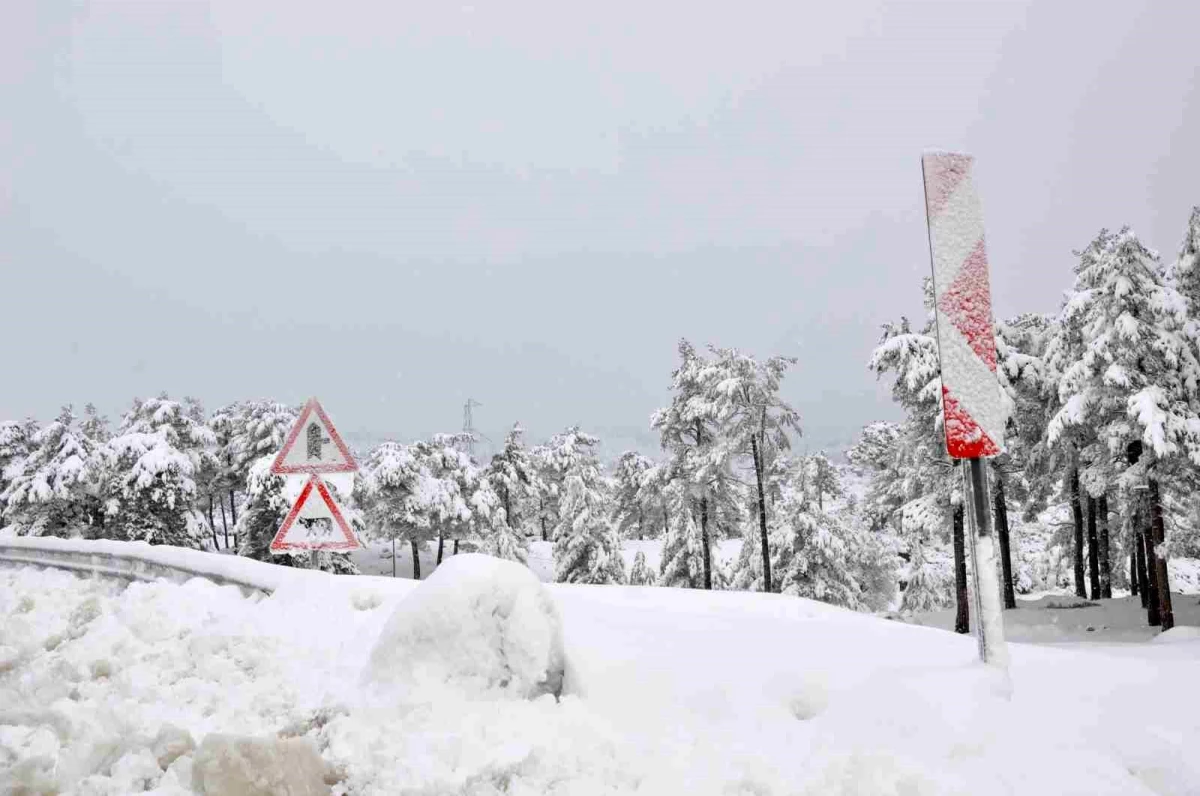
{"x":671,"y":691}
{"x":1058,"y":618}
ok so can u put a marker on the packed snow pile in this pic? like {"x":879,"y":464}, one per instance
{"x":478,"y":625}
{"x":108,"y":688}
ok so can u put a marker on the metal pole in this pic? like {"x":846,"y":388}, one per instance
{"x":989,"y":623}
{"x":315,"y":564}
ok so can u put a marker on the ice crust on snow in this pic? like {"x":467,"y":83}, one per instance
{"x":478,"y":625}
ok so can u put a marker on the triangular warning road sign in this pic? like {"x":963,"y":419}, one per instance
{"x":314,"y":523}
{"x":313,"y":446}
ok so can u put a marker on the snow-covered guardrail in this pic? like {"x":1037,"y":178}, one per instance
{"x":141,"y":561}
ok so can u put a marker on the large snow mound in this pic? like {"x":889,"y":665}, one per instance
{"x":479,"y":625}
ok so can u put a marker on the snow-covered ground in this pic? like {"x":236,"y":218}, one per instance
{"x":1066,"y":618}
{"x":107,"y":688}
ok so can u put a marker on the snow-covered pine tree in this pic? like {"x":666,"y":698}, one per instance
{"x":16,"y":437}
{"x":265,"y":509}
{"x":752,"y":420}
{"x":447,"y":460}
{"x":149,"y":474}
{"x":94,"y":425}
{"x":874,"y":455}
{"x":635,"y":497}
{"x":549,"y":482}
{"x":1024,"y":472}
{"x":700,"y":456}
{"x":490,"y":517}
{"x":227,"y":424}
{"x":640,"y":573}
{"x":1184,"y":273}
{"x":928,"y":581}
{"x":51,"y":491}
{"x":245,"y":432}
{"x":513,"y":475}
{"x":417,"y":492}
{"x":682,"y":561}
{"x":586,"y":546}
{"x":823,"y":478}
{"x":929,"y":484}
{"x":1134,"y":380}
{"x":504,"y":503}
{"x":820,"y":556}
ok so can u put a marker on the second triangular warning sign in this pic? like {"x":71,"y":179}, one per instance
{"x":314,"y":523}
{"x":313,"y":446}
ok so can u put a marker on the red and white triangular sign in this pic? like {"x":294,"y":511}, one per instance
{"x":313,"y":446}
{"x":314,"y":523}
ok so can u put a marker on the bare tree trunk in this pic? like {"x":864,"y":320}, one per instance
{"x":704,"y":519}
{"x":455,"y":547}
{"x":441,"y":546}
{"x":1105,"y":563}
{"x":1001,"y":512}
{"x":233,"y":515}
{"x":393,"y":556}
{"x":1153,"y":618}
{"x":212,"y":526}
{"x":416,"y":559}
{"x":1139,"y":549}
{"x":509,"y":519}
{"x":962,"y":621}
{"x":221,"y":503}
{"x":1077,"y":515}
{"x":1160,"y":563}
{"x":542,"y":518}
{"x":1133,"y":571}
{"x":1093,"y":551}
{"x":762,"y":515}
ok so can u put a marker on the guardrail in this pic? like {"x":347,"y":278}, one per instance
{"x":142,"y":561}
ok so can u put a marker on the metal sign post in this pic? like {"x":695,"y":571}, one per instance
{"x":973,"y":411}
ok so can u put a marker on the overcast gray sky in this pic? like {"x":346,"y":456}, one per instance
{"x":395,"y":206}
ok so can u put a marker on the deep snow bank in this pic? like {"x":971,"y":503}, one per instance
{"x":114,"y":689}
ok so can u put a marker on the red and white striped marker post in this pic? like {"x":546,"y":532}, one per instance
{"x":972,"y":407}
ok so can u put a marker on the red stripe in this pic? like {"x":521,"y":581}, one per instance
{"x":964,"y":437}
{"x":967,"y":303}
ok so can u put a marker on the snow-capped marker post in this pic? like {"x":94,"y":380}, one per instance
{"x":972,"y":406}
{"x":314,"y":448}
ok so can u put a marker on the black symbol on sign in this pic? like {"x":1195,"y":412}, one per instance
{"x":323,"y":526}
{"x":315,"y":441}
